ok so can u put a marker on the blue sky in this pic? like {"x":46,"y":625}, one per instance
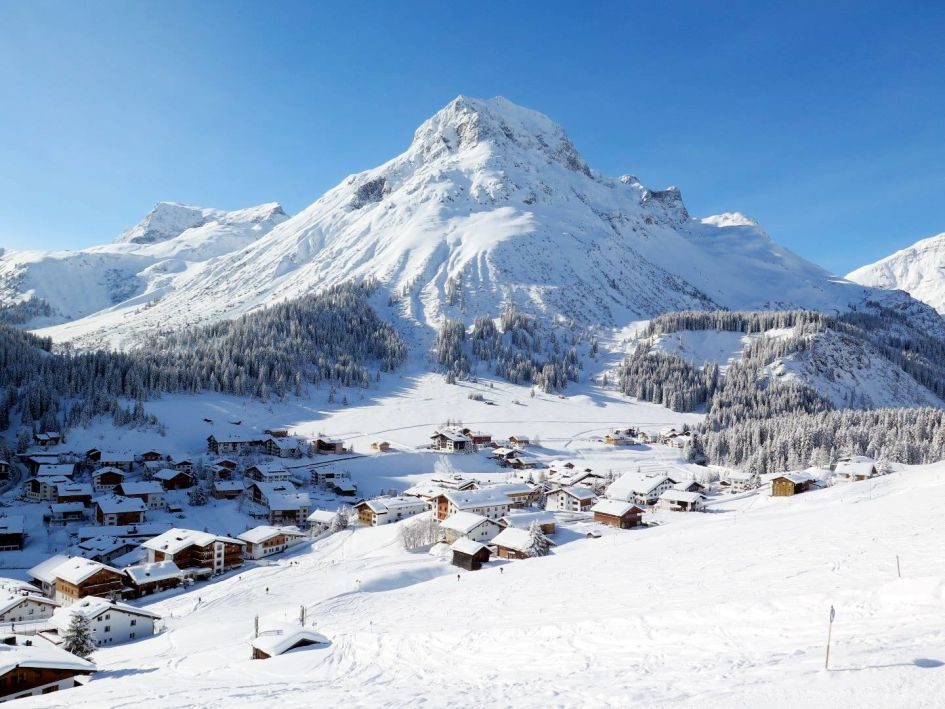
{"x":826,"y":125}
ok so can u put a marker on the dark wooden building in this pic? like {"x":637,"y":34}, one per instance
{"x":790,"y":484}
{"x":469,"y":554}
{"x":617,"y":513}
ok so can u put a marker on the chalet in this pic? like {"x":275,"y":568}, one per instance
{"x":521,"y":462}
{"x":690,"y":486}
{"x":618,"y":439}
{"x":283,"y":447}
{"x":640,"y":489}
{"x":523,"y":520}
{"x":518,"y":494}
{"x":570,"y":499}
{"x":34,"y":461}
{"x":321,"y":520}
{"x":74,"y":492}
{"x":270,"y":643}
{"x":112,"y":510}
{"x":145,"y":579}
{"x":190,"y":549}
{"x":470,"y":526}
{"x":47,"y":469}
{"x":111,"y":623}
{"x":790,"y":484}
{"x":323,"y":444}
{"x":106,"y":479}
{"x":104,"y":549}
{"x":380,"y":446}
{"x":134,"y":532}
{"x":283,"y":503}
{"x":63,"y":513}
{"x":93,"y":455}
{"x":43,"y":574}
{"x":267,"y":540}
{"x":854,"y":468}
{"x":503,"y":454}
{"x":343,"y":488}
{"x":479,"y":438}
{"x":681,"y":501}
{"x":469,"y":554}
{"x":267,"y":472}
{"x":12,"y":533}
{"x":220,"y":472}
{"x":618,"y":513}
{"x":226,"y":489}
{"x":513,"y":543}
{"x":45,"y":488}
{"x":276,"y":432}
{"x":519,"y":441}
{"x":228,"y":463}
{"x":449,"y":441}
{"x":172,"y":479}
{"x":19,"y":608}
{"x":5,"y":470}
{"x":50,"y":438}
{"x":151,"y":493}
{"x":29,"y":668}
{"x":668,"y":435}
{"x":491,"y":503}
{"x":77,"y":578}
{"x":323,"y":478}
{"x":151,"y":456}
{"x":384,"y":510}
{"x":184,"y":465}
{"x":740,"y":482}
{"x":454,"y":482}
{"x":123,"y":461}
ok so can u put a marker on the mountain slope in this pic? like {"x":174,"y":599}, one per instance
{"x":39,"y":288}
{"x":493,"y":205}
{"x":919,"y":270}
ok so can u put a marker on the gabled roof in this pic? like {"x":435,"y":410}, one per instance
{"x":169,"y":474}
{"x":92,"y":607}
{"x":265,"y":532}
{"x":108,"y":469}
{"x":454,"y":436}
{"x":49,"y":469}
{"x":796,"y":478}
{"x":40,"y":656}
{"x":228,"y":485}
{"x":176,"y":540}
{"x":465,"y":522}
{"x":465,"y":545}
{"x":43,"y":571}
{"x":523,"y":520}
{"x":614,"y":508}
{"x":73,"y":489}
{"x":859,"y":466}
{"x":672,"y":495}
{"x":513,"y":538}
{"x":269,"y":468}
{"x":116,"y":504}
{"x":142,"y":488}
{"x":578,"y":493}
{"x":11,"y":524}
{"x":635,"y":484}
{"x":322,"y":517}
{"x":76,"y":570}
{"x":12,"y":600}
{"x":277,"y":641}
{"x":156,"y":571}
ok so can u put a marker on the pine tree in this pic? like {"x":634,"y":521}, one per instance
{"x":537,"y":542}
{"x":78,"y":637}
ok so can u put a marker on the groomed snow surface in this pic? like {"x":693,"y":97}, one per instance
{"x":717,"y":609}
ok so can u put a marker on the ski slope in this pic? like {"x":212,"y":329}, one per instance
{"x":711,"y":610}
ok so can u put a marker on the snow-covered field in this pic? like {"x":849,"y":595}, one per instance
{"x":717,"y":609}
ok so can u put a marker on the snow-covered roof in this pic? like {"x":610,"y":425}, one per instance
{"x":227,"y":485}
{"x":796,"y":478}
{"x":168,"y":474}
{"x":269,"y":468}
{"x":130,"y":531}
{"x":285,"y":443}
{"x":156,"y":571}
{"x":630,"y":484}
{"x":578,"y":493}
{"x":862,"y":467}
{"x":741,"y":476}
{"x":66,"y":489}
{"x":513,"y":538}
{"x":614,"y":508}
{"x":51,"y":469}
{"x":245,"y":438}
{"x":465,"y":545}
{"x":12,"y":600}
{"x":288,"y":501}
{"x":40,"y":656}
{"x":102,"y":545}
{"x":523,"y":520}
{"x":454,"y":436}
{"x":11,"y":524}
{"x":686,"y":483}
{"x":44,"y":570}
{"x":176,"y":540}
{"x":115,"y":504}
{"x":76,"y":570}
{"x":63,"y":507}
{"x":322,"y":517}
{"x":149,"y":487}
{"x":93,"y":606}
{"x":672,"y":495}
{"x":265,"y":532}
{"x":277,"y":641}
{"x":463,"y":522}
{"x":108,"y":469}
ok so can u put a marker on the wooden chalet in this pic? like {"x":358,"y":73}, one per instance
{"x":380,"y":446}
{"x":33,"y":668}
{"x":151,"y":456}
{"x":79,"y":577}
{"x":618,"y":513}
{"x":513,"y":543}
{"x":520,"y":441}
{"x":226,"y":489}
{"x":145,"y":579}
{"x":112,"y":510}
{"x":172,"y":479}
{"x":450,"y":441}
{"x":681,"y":501}
{"x":190,"y":549}
{"x":74,"y":492}
{"x":50,"y":438}
{"x":790,"y":484}
{"x":523,"y":520}
{"x":469,"y":554}
{"x":12,"y":533}
{"x":234,"y":443}
{"x":122,"y":461}
{"x":106,"y":479}
{"x":323,"y":444}
{"x":570,"y":499}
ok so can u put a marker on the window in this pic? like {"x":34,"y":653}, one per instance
{"x":134,"y":621}
{"x":108,"y":628}
{"x":131,"y":635}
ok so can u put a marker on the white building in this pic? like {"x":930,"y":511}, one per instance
{"x":570,"y":499}
{"x":111,"y":623}
{"x":681,"y":501}
{"x":640,"y":489}
{"x":857,"y":467}
{"x":742,"y":482}
{"x":19,"y":608}
{"x":268,"y":472}
{"x":488,"y":502}
{"x":471,"y":526}
{"x":384,"y":510}
{"x":266,"y":540}
{"x":150,"y":492}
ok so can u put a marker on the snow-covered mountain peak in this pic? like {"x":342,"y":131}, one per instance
{"x":918,"y":269}
{"x":730,"y":219}
{"x":466,"y":124}
{"x":165,"y":221}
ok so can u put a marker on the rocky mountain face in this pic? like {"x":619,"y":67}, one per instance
{"x":919,"y":270}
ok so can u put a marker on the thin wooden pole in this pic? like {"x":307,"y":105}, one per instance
{"x":829,"y":633}
{"x":898,"y":570}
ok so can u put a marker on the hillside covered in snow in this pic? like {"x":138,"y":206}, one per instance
{"x":919,"y":270}
{"x":491,"y":205}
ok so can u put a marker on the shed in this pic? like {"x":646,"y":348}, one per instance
{"x":281,"y":640}
{"x":469,"y":554}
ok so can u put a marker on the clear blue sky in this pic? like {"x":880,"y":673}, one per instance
{"x":824,"y":121}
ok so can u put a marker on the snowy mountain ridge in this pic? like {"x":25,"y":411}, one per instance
{"x":492,"y":205}
{"x":919,"y":270}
